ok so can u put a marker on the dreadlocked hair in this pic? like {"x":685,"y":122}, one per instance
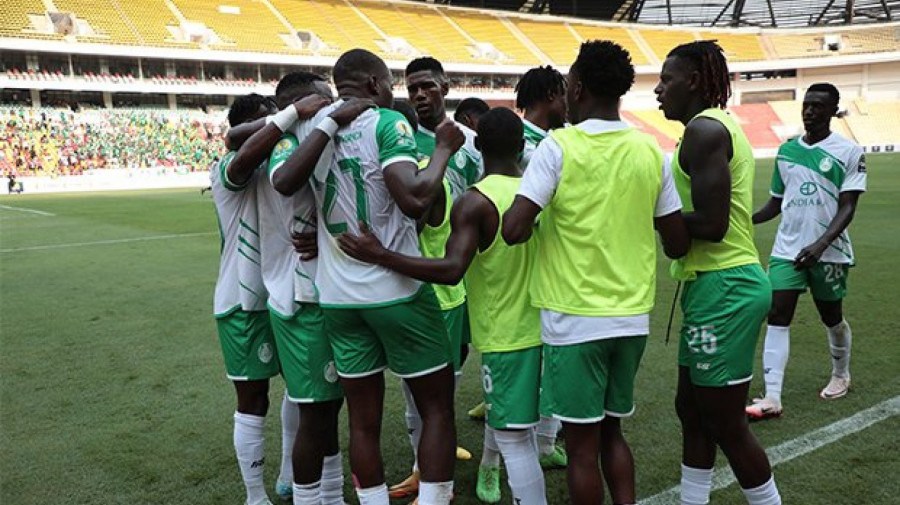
{"x":708,"y":58}
{"x":539,"y":84}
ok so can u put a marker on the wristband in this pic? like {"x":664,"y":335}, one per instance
{"x":286,"y":118}
{"x":328,"y":126}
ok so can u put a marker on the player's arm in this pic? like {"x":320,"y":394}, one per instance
{"x":414,"y":190}
{"x":810,"y":254}
{"x":769,"y":211}
{"x":299,"y":167}
{"x":518,"y":220}
{"x":673,"y":233}
{"x":257,"y":148}
{"x":237,"y":135}
{"x":536,"y":191}
{"x":466,"y":220}
{"x":706,"y":152}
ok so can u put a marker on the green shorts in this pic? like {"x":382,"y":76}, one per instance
{"x":826,"y":281}
{"x":456,"y":322}
{"x":248,"y":345}
{"x":306,"y":359}
{"x":409,"y":337}
{"x":582,"y":383}
{"x":512,"y":385}
{"x":723,"y":311}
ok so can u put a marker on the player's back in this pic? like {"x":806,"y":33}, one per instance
{"x":239,"y":285}
{"x":353,"y":190}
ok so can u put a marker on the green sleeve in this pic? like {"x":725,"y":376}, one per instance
{"x":777,"y":188}
{"x":223,"y":173}
{"x":395,"y":137}
{"x":286,"y":145}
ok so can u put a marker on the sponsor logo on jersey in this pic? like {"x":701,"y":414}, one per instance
{"x":265,"y":352}
{"x":258,"y":463}
{"x":808,"y":188}
{"x":861,"y":168}
{"x":349,"y":137}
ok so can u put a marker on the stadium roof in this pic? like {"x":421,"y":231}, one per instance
{"x":763,"y":13}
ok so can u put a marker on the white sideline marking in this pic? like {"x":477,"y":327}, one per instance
{"x":23,"y":209}
{"x":105,"y":242}
{"x":800,"y":446}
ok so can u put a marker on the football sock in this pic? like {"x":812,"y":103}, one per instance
{"x":375,"y":495}
{"x":767,"y":494}
{"x":307,"y":494}
{"x":332,"y":489}
{"x":520,"y":456}
{"x":696,"y":484}
{"x":547,"y":429}
{"x":490,"y":455}
{"x":413,"y":422}
{"x":435,"y":493}
{"x":249,"y":445}
{"x":290,"y":423}
{"x":840,"y":339}
{"x":775,"y":358}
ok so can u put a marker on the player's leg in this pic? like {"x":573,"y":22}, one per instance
{"x":290,"y":425}
{"x":410,"y":485}
{"x":360,"y":361}
{"x":623,"y":359}
{"x":457,"y":322}
{"x":511,"y":383}
{"x":250,"y":360}
{"x":487,"y":486}
{"x":698,"y":448}
{"x":312,"y":382}
{"x":573,"y":389}
{"x":417,"y":348}
{"x":829,"y":287}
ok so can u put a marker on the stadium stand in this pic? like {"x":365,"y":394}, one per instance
{"x":662,"y":41}
{"x":875,"y":123}
{"x":425,"y":29}
{"x":811,"y":44}
{"x":556,"y":40}
{"x":489,"y":29}
{"x":334,"y":22}
{"x":16,"y":22}
{"x":62,"y":142}
{"x":241,"y":25}
{"x":738,"y":47}
{"x":618,"y":35}
{"x":757,"y":119}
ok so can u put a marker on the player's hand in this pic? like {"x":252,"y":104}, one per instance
{"x":350,"y":110}
{"x":309,"y":105}
{"x":809,"y":255}
{"x":305,"y":244}
{"x":364,"y":247}
{"x":449,"y":136}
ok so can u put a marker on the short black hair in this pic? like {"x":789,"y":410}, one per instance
{"x":355,"y":62}
{"x":425,"y":63}
{"x":471,"y":105}
{"x":500,"y":132}
{"x":604,"y":69}
{"x":245,"y":107}
{"x":708,"y":59}
{"x":826,"y":87}
{"x":295,"y":80}
{"x":403,"y":107}
{"x":539,"y":84}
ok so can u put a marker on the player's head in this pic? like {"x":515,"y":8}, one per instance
{"x":296,"y":85}
{"x":469,"y":110}
{"x":427,"y":86}
{"x":694,"y":75}
{"x":601,"y":74}
{"x":403,"y":107}
{"x":500,"y":135}
{"x":363,"y":74}
{"x":248,"y":108}
{"x":544,"y":89}
{"x":820,"y":104}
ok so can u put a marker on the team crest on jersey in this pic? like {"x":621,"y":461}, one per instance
{"x":331,"y":372}
{"x":282,"y":146}
{"x":826,"y":164}
{"x":265,"y":353}
{"x":460,"y":159}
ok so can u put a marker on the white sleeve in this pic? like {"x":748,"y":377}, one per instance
{"x":668,"y":200}
{"x":542,"y":176}
{"x":855,"y":178}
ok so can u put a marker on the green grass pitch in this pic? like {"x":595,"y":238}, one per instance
{"x":113,"y":389}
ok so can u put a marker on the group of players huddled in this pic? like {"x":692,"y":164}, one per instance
{"x":363,"y":234}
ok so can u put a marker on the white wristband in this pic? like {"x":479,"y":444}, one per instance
{"x":286,"y":118}
{"x":328,"y":126}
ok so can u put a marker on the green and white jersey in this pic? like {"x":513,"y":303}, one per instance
{"x":464,"y":168}
{"x":288,"y":280}
{"x":352,"y":189}
{"x":533,"y":136}
{"x":809,"y":179}
{"x":239,"y":286}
